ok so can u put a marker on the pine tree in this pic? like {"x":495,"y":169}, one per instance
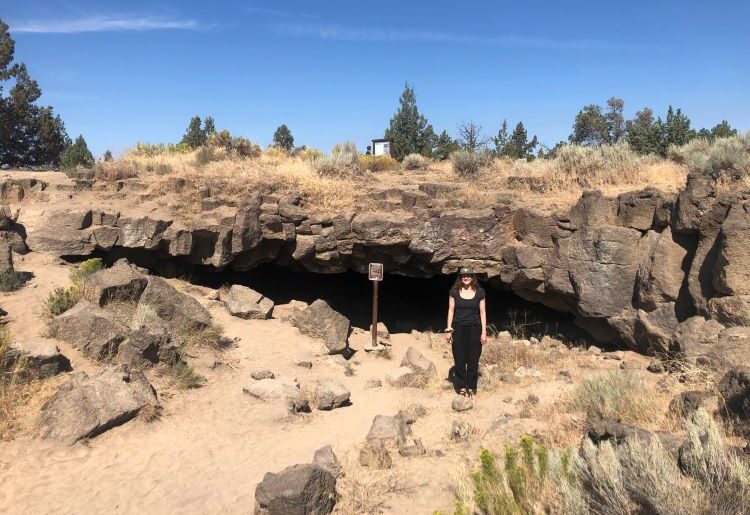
{"x":723,"y":130}
{"x":107,"y":156}
{"x":194,"y":136}
{"x":677,"y":128}
{"x":590,"y":127}
{"x":645,"y":135}
{"x":445,"y":146}
{"x":77,"y":154}
{"x":209,"y":127}
{"x":615,"y":120}
{"x":501,"y":140}
{"x":519,"y":146}
{"x":29,"y":134}
{"x":408,"y":129}
{"x":283,"y":138}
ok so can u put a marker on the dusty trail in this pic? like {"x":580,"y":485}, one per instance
{"x":214,"y":444}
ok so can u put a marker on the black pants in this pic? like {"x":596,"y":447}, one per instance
{"x":467,"y":348}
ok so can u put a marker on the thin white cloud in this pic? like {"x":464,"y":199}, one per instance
{"x":104,"y":24}
{"x":340,"y":33}
{"x":279,"y":12}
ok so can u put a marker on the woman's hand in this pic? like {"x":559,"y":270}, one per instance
{"x":483,"y":338}
{"x":449,"y":336}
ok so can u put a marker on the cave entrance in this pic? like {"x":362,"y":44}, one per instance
{"x":406,"y":303}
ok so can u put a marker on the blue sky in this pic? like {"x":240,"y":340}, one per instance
{"x":123,"y":72}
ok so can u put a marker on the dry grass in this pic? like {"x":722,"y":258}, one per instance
{"x":508,"y":357}
{"x":363,"y":490}
{"x":620,"y":396}
{"x":20,"y":396}
{"x":551,"y":183}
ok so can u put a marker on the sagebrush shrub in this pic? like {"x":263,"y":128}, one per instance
{"x":377,"y":163}
{"x":620,"y":396}
{"x":468,"y":164}
{"x":60,"y":300}
{"x":86,"y":268}
{"x":415,"y":162}
{"x":11,"y":280}
{"x":722,"y":156}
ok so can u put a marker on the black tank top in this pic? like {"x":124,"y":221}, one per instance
{"x":467,"y":310}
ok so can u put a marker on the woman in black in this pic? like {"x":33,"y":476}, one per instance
{"x":467,"y":329}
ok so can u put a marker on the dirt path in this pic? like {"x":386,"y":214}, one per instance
{"x":214,"y":444}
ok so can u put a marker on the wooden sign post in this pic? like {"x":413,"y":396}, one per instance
{"x":375,"y":274}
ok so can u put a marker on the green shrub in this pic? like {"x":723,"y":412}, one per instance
{"x":86,"y":268}
{"x":309,"y":154}
{"x":159,"y":168}
{"x":61,"y":300}
{"x":10,"y":280}
{"x":185,"y":377}
{"x":204,"y":155}
{"x":467,"y":164}
{"x":239,"y":146}
{"x":415,"y":162}
{"x":377,"y":163}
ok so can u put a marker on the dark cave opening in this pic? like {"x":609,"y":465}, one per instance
{"x":405,"y":303}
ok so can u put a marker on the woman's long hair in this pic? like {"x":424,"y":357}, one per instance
{"x":458,"y":284}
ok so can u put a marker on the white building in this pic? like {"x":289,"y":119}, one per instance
{"x":381,"y":147}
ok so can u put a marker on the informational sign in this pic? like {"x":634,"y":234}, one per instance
{"x":375,"y":272}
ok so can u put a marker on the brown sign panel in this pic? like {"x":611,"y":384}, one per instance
{"x":375,"y":272}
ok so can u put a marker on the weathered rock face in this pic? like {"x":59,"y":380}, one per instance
{"x":84,"y":407}
{"x":34,"y":359}
{"x":244,"y":302}
{"x":118,"y":283}
{"x":90,"y":329}
{"x":296,"y":490}
{"x":180,"y":310}
{"x":629,"y":268}
{"x":319,"y":320}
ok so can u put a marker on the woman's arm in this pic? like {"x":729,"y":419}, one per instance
{"x":451,"y":309}
{"x":483,"y":318}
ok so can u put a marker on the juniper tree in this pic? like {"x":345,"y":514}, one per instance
{"x":408,"y":130}
{"x":615,"y":120}
{"x":590,"y":127}
{"x":677,"y":128}
{"x":209,"y":127}
{"x":283,"y":138}
{"x":77,"y":154}
{"x":519,"y":146}
{"x":194,"y":135}
{"x":445,"y":146}
{"x":501,"y":139}
{"x":29,"y":134}
{"x":107,"y":155}
{"x":646,"y":135}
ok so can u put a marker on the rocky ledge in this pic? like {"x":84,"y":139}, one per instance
{"x":630,"y":268}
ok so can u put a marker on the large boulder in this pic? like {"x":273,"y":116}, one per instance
{"x":244,"y":302}
{"x":330,"y":394}
{"x":281,"y":391}
{"x":180,"y":310}
{"x":84,"y":407}
{"x":734,"y":387}
{"x":147,"y":346}
{"x":34,"y":359}
{"x":326,"y":459}
{"x":296,"y":490}
{"x":414,"y":360}
{"x":660,"y":274}
{"x":732,"y":268}
{"x":90,"y":329}
{"x":392,"y":431}
{"x":603,"y":264}
{"x":320,"y":321}
{"x":118,"y":283}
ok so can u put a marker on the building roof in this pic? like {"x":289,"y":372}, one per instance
{"x":381,"y":140}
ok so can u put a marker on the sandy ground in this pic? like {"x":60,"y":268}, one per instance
{"x":213,"y":445}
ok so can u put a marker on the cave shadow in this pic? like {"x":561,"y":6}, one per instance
{"x":405,"y":303}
